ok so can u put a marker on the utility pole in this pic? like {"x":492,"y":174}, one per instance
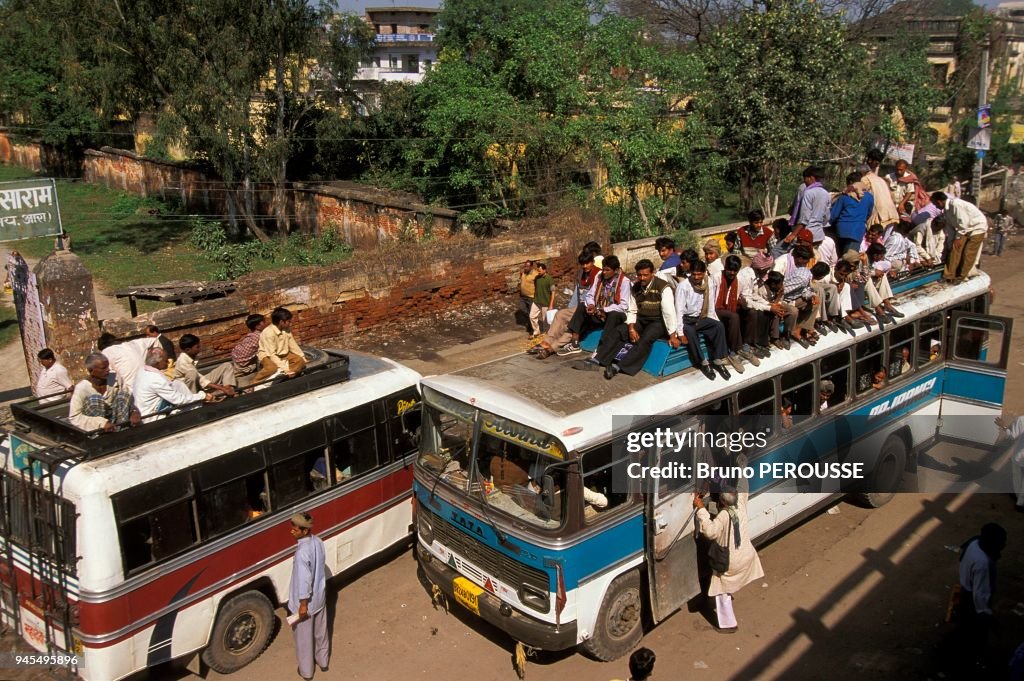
{"x":982,"y":101}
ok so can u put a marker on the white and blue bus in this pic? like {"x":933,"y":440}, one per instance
{"x":513,"y":451}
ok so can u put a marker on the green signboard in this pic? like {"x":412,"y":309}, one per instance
{"x":28,"y":208}
{"x":19,"y":455}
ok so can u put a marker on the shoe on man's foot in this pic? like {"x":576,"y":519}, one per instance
{"x":750,"y":356}
{"x":736,"y":363}
{"x":324,"y":668}
{"x":764,"y":350}
{"x":570,"y":348}
{"x":722,"y":371}
{"x":894,"y":313}
{"x":610,"y":371}
{"x":780,"y":344}
{"x":705,"y":369}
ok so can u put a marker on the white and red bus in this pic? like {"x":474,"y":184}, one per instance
{"x":125,"y":550}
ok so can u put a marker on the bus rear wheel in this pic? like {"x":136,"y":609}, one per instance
{"x":619,"y":625}
{"x":881,"y":483}
{"x":241,"y":633}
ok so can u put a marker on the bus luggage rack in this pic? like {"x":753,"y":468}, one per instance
{"x":49,"y":421}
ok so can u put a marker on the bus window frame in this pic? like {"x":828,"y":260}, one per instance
{"x":910,"y":341}
{"x":850,"y":394}
{"x":613,"y":511}
{"x":1004,"y":357}
{"x":919,"y":332}
{"x":878,"y":355}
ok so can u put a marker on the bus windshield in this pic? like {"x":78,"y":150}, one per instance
{"x":510,"y":467}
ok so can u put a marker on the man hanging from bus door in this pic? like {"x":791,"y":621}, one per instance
{"x":307,"y":598}
{"x":729,"y":528}
{"x":1012,"y":428}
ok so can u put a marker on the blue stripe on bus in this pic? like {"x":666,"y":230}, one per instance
{"x":971,"y":385}
{"x":579,"y":561}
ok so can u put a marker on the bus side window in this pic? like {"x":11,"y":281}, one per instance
{"x":232,"y":491}
{"x":756,"y":405}
{"x":798,"y":387}
{"x":404,"y":419}
{"x":929,"y":339}
{"x":155,"y":520}
{"x":298,"y":465}
{"x":979,"y":340}
{"x":836,"y":368}
{"x":353,"y":440}
{"x":603,"y":478}
{"x":901,"y":351}
{"x":869,"y":363}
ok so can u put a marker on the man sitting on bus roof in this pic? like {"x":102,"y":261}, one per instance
{"x":652,"y":311}
{"x":754,"y":310}
{"x":100,"y":401}
{"x":220,"y":379}
{"x":605,"y":304}
{"x":126,"y":357}
{"x":156,"y":395}
{"x":243,"y":355}
{"x":695,"y":315}
{"x":278,"y":353}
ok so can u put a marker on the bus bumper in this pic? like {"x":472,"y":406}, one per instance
{"x":532,"y":632}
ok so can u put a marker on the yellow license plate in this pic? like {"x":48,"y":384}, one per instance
{"x":468,"y":593}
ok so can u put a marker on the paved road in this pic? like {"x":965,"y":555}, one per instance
{"x":847,"y":595}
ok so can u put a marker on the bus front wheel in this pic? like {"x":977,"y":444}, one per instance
{"x":241,"y":633}
{"x":619,"y":625}
{"x":881,"y":483}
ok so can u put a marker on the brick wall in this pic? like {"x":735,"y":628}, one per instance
{"x":337,"y":303}
{"x":363,"y":216}
{"x":18,"y":154}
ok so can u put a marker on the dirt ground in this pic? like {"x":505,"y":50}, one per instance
{"x":849,"y":594}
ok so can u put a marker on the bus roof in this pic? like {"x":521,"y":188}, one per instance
{"x":165,"y":451}
{"x":578,"y":406}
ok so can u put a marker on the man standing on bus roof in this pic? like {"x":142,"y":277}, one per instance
{"x":729,"y":529}
{"x":278,"y":353}
{"x":307,"y":597}
{"x":970,"y":226}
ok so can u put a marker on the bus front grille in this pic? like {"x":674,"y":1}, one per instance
{"x":506,"y":569}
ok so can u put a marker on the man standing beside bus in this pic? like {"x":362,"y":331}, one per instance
{"x":307,"y":598}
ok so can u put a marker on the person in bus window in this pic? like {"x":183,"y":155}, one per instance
{"x":934,"y":351}
{"x":905,"y":365}
{"x":825,"y":393}
{"x":878,"y":380}
{"x":786,"y":412}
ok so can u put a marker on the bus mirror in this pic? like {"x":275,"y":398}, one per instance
{"x":548,"y":490}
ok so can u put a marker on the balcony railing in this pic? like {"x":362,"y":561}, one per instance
{"x":405,"y":38}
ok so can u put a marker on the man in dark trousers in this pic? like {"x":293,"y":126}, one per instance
{"x":978,"y":557}
{"x":651,"y":313}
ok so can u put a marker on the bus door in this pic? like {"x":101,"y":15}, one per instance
{"x":671,"y":551}
{"x":974,"y":378}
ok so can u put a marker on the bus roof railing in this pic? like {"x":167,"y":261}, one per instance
{"x":49,"y":421}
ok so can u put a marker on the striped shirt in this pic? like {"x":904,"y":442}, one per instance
{"x":797,"y":283}
{"x":243,"y":355}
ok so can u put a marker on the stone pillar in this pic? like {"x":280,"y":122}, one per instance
{"x":70,"y":322}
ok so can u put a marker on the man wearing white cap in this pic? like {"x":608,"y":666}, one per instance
{"x":307,"y":598}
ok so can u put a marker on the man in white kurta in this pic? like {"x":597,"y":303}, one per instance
{"x":1013,"y":429}
{"x":729,"y":528}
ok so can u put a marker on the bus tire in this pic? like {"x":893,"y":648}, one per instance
{"x":884,"y":479}
{"x":244,"y":627}
{"x":619,"y":625}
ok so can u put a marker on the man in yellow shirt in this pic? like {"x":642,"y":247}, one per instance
{"x":278,"y":353}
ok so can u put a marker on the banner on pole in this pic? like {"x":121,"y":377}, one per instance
{"x":28,"y":208}
{"x":980,"y":139}
{"x":985,"y":116}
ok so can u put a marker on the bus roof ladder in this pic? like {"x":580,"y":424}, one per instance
{"x":51,"y":525}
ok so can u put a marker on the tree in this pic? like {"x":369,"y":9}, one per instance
{"x":778,"y":87}
{"x":521,"y":104}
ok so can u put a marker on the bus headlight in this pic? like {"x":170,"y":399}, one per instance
{"x":534,"y":597}
{"x":423,"y":526}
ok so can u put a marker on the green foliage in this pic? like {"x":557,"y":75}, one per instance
{"x":232,"y":259}
{"x":778,"y":87}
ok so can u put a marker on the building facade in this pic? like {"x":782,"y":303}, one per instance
{"x":404,"y":49}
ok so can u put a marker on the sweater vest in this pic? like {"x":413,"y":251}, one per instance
{"x":648,"y":302}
